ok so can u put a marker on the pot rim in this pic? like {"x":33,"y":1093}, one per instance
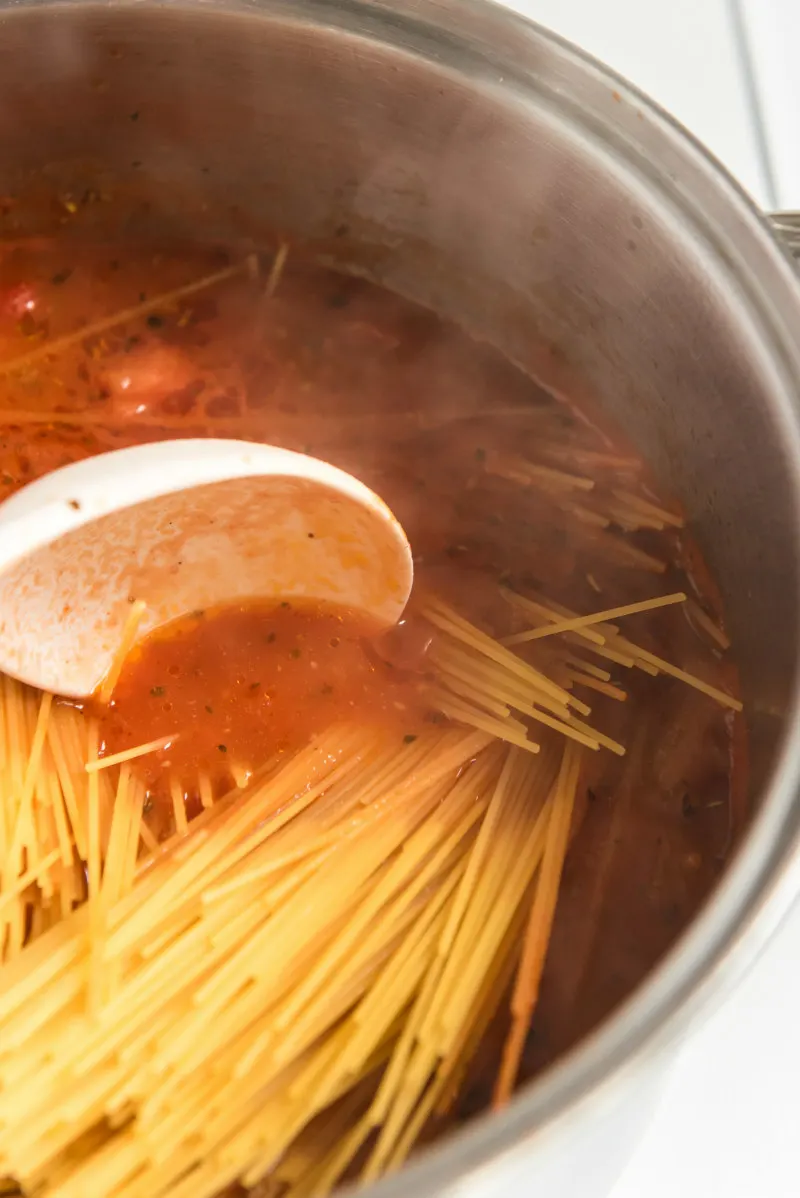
{"x":759,"y":886}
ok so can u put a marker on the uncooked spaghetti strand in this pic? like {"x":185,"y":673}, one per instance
{"x":459,"y":701}
{"x":17,"y":814}
{"x":510,"y":730}
{"x":659,"y":513}
{"x":444,"y":617}
{"x":32,"y":828}
{"x":37,"y":745}
{"x":67,"y":771}
{"x":276,"y":270}
{"x":603,"y":617}
{"x":94,"y":861}
{"x":118,"y":839}
{"x":466,"y":689}
{"x":393,"y":767}
{"x":20,"y":884}
{"x":519,"y":469}
{"x":606,"y":741}
{"x":498,"y":801}
{"x":6,"y":820}
{"x":617,"y":654}
{"x":631,"y":519}
{"x":703,"y":621}
{"x":270,"y":865}
{"x":205,"y":790}
{"x":178,"y":805}
{"x":45,"y":838}
{"x":722,"y":697}
{"x":585,"y":736}
{"x":148,"y":838}
{"x":604,"y":688}
{"x":50,"y":783}
{"x":487,"y":676}
{"x":540,"y":924}
{"x":130,"y":630}
{"x":12,"y":707}
{"x":587,"y":667}
{"x":552,"y":613}
{"x":125,"y":755}
{"x":23,"y":835}
{"x":167,"y":299}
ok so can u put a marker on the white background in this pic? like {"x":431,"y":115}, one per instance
{"x":729,"y":1122}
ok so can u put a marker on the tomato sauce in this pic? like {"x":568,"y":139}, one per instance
{"x":239,"y":685}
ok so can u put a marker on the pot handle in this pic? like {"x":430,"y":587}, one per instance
{"x":787,"y":226}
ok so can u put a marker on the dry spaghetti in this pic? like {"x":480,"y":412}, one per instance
{"x":343,"y":924}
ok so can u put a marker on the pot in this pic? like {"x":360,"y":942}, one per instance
{"x":470,"y":160}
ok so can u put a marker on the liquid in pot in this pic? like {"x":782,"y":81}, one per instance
{"x":523,"y":512}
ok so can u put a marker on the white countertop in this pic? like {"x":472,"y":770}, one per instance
{"x":771,"y":29}
{"x":728,"y":1122}
{"x":727,"y":1125}
{"x":687,"y":55}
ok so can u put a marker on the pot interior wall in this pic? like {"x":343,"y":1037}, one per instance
{"x":472,"y":186}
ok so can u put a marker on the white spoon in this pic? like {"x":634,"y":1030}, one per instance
{"x":179,"y":526}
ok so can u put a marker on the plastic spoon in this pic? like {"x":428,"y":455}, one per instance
{"x":171,"y":527}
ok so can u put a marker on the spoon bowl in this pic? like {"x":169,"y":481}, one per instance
{"x":164,"y":529}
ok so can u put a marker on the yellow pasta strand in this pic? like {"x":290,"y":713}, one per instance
{"x":540,"y":923}
{"x":129,"y":633}
{"x":614,"y":613}
{"x":152,"y":746}
{"x":59,"y":344}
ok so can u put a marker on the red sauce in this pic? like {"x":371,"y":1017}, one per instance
{"x":240,"y":684}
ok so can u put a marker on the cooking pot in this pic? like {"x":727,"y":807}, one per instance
{"x":470,"y":160}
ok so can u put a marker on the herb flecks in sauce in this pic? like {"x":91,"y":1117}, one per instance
{"x":229,"y":693}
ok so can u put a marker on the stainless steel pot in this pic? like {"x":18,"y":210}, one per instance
{"x":474,"y":162}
